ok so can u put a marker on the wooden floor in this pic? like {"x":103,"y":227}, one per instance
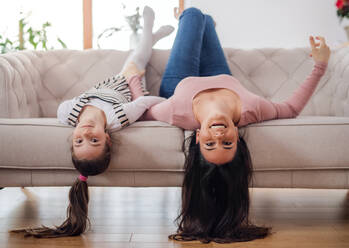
{"x":143,"y":217}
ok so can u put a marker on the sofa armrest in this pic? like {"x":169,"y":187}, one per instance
{"x":18,"y":76}
{"x":339,"y":75}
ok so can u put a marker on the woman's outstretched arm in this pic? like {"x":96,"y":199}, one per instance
{"x":293,"y":106}
{"x":297,"y":101}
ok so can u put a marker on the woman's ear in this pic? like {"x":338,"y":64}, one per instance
{"x":197,"y":133}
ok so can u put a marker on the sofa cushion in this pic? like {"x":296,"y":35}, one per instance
{"x":148,"y":146}
{"x":289,"y":144}
{"x":305,"y":143}
{"x":44,"y":143}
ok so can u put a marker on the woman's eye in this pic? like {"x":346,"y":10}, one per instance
{"x":210,"y":143}
{"x":94,"y":140}
{"x":227,"y":143}
{"x":78,"y":141}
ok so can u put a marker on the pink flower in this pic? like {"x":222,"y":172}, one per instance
{"x":340,"y":4}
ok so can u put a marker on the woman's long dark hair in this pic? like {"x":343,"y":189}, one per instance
{"x":215,"y":198}
{"x":77,"y":220}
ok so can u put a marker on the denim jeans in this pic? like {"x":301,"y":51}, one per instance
{"x":196,"y":51}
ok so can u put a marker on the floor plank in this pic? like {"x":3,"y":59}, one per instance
{"x":144,"y":217}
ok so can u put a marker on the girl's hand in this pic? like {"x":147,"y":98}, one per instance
{"x":319,"y":51}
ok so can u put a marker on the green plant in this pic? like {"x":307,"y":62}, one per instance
{"x":5,"y":44}
{"x":28,"y":38}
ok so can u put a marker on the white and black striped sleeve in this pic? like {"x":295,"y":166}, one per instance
{"x":135,"y":109}
{"x":64,"y":110}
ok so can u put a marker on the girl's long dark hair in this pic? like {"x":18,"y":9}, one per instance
{"x":215,"y":198}
{"x":77,"y":212}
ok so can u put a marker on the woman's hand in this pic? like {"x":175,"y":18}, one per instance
{"x":319,"y":51}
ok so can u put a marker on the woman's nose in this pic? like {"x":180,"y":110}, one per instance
{"x":219,"y":134}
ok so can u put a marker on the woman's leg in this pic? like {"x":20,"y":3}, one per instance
{"x":212,"y":59}
{"x":184,"y":60}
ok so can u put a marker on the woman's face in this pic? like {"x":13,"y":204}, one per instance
{"x":89,"y":139}
{"x":218,"y":138}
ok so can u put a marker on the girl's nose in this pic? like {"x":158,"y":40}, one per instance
{"x":86,"y":132}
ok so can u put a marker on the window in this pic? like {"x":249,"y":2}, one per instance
{"x":65,"y":17}
{"x":78,"y":23}
{"x":111,"y":13}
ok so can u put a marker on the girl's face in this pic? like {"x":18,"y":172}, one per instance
{"x":218,"y":139}
{"x":89,"y":139}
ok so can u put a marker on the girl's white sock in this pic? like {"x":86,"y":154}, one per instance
{"x":142,"y":53}
{"x":162,"y":32}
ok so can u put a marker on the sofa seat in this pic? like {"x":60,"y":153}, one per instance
{"x":44,"y":143}
{"x":149,"y":153}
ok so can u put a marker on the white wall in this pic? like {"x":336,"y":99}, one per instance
{"x":273,"y":23}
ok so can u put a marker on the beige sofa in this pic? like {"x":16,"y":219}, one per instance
{"x":311,"y":151}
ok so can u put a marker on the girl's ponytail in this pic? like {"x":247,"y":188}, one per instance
{"x":77,"y":220}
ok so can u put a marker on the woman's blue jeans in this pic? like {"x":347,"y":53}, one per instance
{"x":196,"y":51}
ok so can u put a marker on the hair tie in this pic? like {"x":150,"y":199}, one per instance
{"x":82,"y":178}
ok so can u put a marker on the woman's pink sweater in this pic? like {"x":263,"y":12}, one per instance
{"x":177,"y":110}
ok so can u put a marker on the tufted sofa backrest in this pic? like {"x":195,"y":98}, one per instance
{"x":33,"y":83}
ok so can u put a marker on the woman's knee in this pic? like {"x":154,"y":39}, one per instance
{"x":192,"y":11}
{"x":209,"y":20}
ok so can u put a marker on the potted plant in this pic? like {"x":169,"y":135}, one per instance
{"x":133,"y":24}
{"x":343,"y":12}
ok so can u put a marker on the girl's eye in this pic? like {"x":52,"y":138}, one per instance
{"x":227,"y":143}
{"x":94,"y":140}
{"x":210,"y":143}
{"x":78,"y":141}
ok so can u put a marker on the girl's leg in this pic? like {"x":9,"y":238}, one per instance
{"x":141,"y":54}
{"x":212,"y":59}
{"x":184,"y":59}
{"x":139,"y":57}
